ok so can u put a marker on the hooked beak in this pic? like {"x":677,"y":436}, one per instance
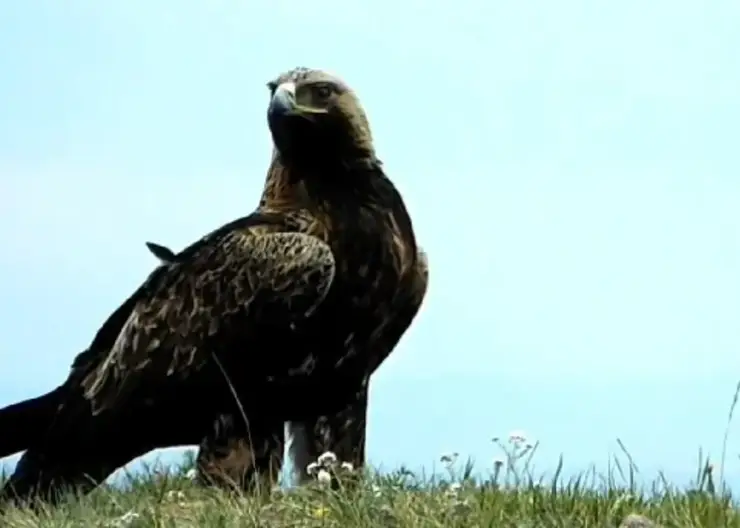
{"x":284,"y":104}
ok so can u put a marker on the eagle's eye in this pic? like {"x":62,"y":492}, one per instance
{"x":323,"y":91}
{"x":272,"y":86}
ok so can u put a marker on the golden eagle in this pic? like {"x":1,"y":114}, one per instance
{"x":227,"y":458}
{"x":294,"y":305}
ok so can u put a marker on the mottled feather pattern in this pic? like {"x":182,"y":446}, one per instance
{"x":344,"y":432}
{"x":210,"y":289}
{"x":369,"y":230}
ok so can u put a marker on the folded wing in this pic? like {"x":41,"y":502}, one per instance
{"x":207,"y":302}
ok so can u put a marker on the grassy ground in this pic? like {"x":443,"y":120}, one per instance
{"x":510,"y":497}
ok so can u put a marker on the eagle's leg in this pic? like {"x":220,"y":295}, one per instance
{"x":343,"y":433}
{"x":242,"y":456}
{"x":228,"y":459}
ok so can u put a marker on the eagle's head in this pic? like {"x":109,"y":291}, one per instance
{"x":316,"y":120}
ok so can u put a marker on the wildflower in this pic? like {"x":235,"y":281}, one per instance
{"x":175,"y":495}
{"x":517,"y":438}
{"x":192,"y":474}
{"x":125,"y":520}
{"x":348,"y":467}
{"x":498,"y":462}
{"x":377,"y":491}
{"x":454,"y":488}
{"x":324,"y":477}
{"x":449,"y":459}
{"x":321,"y":512}
{"x":327,"y":460}
{"x":312,"y":469}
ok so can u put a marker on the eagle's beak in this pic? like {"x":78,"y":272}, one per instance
{"x":284,"y":104}
{"x":283,"y":101}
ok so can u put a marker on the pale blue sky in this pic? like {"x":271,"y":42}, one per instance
{"x":568,"y":165}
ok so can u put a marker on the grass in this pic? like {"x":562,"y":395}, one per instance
{"x":511,"y":496}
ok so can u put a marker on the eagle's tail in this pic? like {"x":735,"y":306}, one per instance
{"x":24,"y":422}
{"x":80,"y":450}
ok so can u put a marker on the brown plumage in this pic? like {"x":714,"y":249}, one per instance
{"x":293,"y":303}
{"x":342,"y":431}
{"x":227,"y":459}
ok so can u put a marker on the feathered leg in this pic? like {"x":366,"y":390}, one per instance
{"x":227,"y":459}
{"x":343,"y":431}
{"x":241,"y":456}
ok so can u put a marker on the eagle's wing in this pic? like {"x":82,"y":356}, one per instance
{"x":212,"y":296}
{"x":163,"y":253}
{"x":360,"y":358}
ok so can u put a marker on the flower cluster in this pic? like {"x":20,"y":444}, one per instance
{"x":327,"y":466}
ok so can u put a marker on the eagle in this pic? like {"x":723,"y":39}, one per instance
{"x":280,"y":315}
{"x":226,"y":459}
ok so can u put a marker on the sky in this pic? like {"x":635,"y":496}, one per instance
{"x":569,"y":168}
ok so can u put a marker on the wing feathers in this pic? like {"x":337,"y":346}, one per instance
{"x":163,"y":253}
{"x":213,"y":297}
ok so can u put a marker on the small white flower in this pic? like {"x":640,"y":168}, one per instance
{"x":453,"y":490}
{"x":175,"y":495}
{"x":517,"y":437}
{"x":348,"y":467}
{"x":327,"y":459}
{"x":192,"y":474}
{"x":125,"y":520}
{"x":312,"y":469}
{"x":324,"y":477}
{"x":449,"y":459}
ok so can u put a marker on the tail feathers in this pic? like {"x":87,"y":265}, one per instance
{"x":81,"y":450}
{"x":23,"y":423}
